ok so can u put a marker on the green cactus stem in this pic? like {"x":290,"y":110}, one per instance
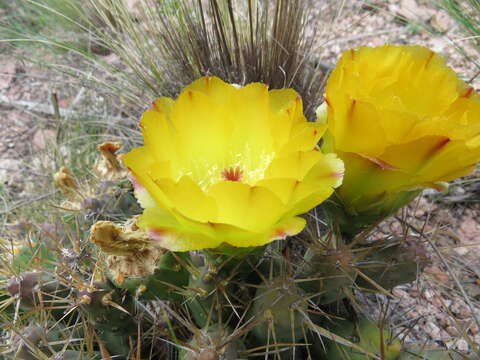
{"x":166,"y":282}
{"x":352,"y":221}
{"x":367,"y":336}
{"x":34,"y":342}
{"x":213,"y":343}
{"x":327,"y":272}
{"x":390,"y":263}
{"x":38,"y":288}
{"x":111,"y":312}
{"x":35,"y":255}
{"x":282,"y":305}
{"x":206,"y":304}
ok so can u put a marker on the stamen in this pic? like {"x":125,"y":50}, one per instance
{"x":232,"y":174}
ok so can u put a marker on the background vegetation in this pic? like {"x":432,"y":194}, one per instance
{"x":102,"y":62}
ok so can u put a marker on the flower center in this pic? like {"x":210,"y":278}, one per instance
{"x":232,"y":174}
{"x":246,"y":166}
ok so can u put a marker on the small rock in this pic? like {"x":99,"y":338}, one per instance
{"x":411,"y":10}
{"x":472,"y":289}
{"x":397,"y":292}
{"x":457,"y":190}
{"x":461,"y":250}
{"x":450,"y":343}
{"x":461,"y":310}
{"x":462,"y":345}
{"x":438,"y":45}
{"x":408,"y":339}
{"x":413,"y":314}
{"x":64,"y":103}
{"x":452,"y":330}
{"x":477,"y":338}
{"x":432,"y":330}
{"x":43,"y":138}
{"x":444,"y":320}
{"x":7,"y":74}
{"x":437,"y":301}
{"x":428,"y":294}
{"x":7,"y":168}
{"x":425,"y":311}
{"x":438,"y":274}
{"x":445,"y":336}
{"x":441,"y":22}
{"x":428,"y":192}
{"x":414,"y":292}
{"x":468,"y":230}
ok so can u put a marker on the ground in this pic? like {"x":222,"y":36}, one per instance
{"x":442,"y":306}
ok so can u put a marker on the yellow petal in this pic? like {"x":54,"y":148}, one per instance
{"x":213,"y":87}
{"x":354,"y":117}
{"x":189,"y":199}
{"x":253,"y":123}
{"x":287,"y":110}
{"x":289,"y":227}
{"x":460,"y":121}
{"x":411,"y":156}
{"x":253,"y":208}
{"x":303,"y":137}
{"x":176,"y":235}
{"x":293,"y":165}
{"x":179,"y":234}
{"x":281,"y":187}
{"x":451,"y":161}
{"x":141,"y":193}
{"x":158,"y":134}
{"x":238,"y":237}
{"x":198,"y":120}
{"x":283,"y":99}
{"x":163,"y":105}
{"x":318,"y":185}
{"x":146,"y":170}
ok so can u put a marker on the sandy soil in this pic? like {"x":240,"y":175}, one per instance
{"x":435,"y":306}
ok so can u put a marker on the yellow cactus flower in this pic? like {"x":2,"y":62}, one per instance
{"x":401,"y":120}
{"x":225,"y":164}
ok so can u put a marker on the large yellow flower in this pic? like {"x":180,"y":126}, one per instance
{"x":232,"y":165}
{"x":400,"y":119}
